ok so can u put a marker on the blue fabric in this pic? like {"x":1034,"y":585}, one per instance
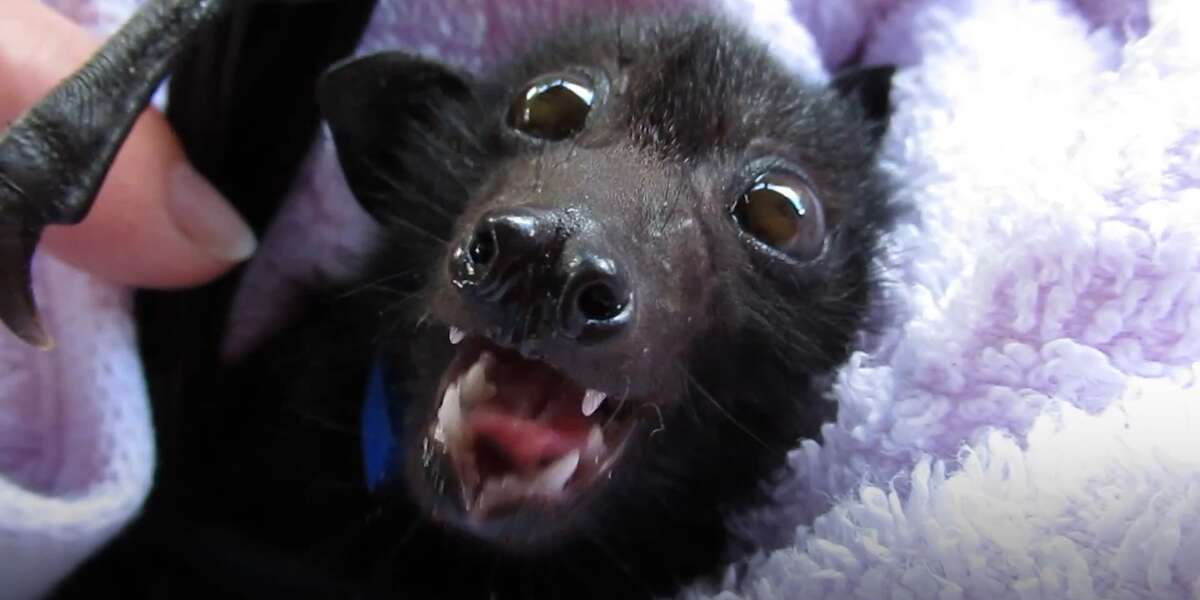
{"x":378,"y":439}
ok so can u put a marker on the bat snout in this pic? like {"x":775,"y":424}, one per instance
{"x":528,"y":270}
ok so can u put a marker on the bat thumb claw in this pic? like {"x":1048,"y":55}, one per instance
{"x":17,"y":308}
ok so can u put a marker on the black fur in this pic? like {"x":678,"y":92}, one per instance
{"x":721,"y":367}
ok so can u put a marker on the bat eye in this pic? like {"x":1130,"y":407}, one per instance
{"x":552,"y":109}
{"x":781,"y":210}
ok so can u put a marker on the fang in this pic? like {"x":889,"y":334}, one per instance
{"x":592,"y":399}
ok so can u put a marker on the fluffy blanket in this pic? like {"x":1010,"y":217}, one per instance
{"x":1023,"y":427}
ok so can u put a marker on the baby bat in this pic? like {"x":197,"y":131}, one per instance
{"x":612,"y":276}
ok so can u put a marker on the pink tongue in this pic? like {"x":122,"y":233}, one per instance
{"x":527,"y":445}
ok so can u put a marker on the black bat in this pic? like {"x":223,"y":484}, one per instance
{"x":613,"y":276}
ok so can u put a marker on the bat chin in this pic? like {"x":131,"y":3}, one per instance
{"x":516,"y":446}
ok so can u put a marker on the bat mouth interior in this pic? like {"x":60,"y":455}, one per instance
{"x":520,"y":433}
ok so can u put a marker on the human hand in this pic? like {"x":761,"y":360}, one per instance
{"x":156,"y":222}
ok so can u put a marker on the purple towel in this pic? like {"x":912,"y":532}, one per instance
{"x":1024,"y":426}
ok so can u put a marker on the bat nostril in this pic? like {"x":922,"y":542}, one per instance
{"x":598,"y":301}
{"x":482,"y":247}
{"x":595,"y":300}
{"x":503,"y":253}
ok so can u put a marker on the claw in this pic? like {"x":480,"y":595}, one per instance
{"x":54,"y":158}
{"x":17,"y":309}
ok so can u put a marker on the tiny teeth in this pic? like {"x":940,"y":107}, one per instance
{"x":595,"y":443}
{"x":474,"y":384}
{"x":456,"y":335}
{"x":449,"y":416}
{"x":496,"y":492}
{"x":592,"y":399}
{"x":554,"y":478}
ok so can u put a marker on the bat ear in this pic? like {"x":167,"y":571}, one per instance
{"x":870,"y":88}
{"x":403,"y":127}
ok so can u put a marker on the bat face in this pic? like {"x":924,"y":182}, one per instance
{"x":614,"y":270}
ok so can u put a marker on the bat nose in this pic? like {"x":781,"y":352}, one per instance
{"x":527,"y":268}
{"x":506,"y":251}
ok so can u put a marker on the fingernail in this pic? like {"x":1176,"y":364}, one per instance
{"x":206,"y":218}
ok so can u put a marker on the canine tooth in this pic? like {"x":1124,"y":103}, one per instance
{"x":456,"y":335}
{"x":591,"y":401}
{"x":595,"y":443}
{"x":488,"y":359}
{"x":553,"y":478}
{"x":475,"y":385}
{"x":449,"y":415}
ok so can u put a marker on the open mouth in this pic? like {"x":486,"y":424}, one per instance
{"x":519,"y":432}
